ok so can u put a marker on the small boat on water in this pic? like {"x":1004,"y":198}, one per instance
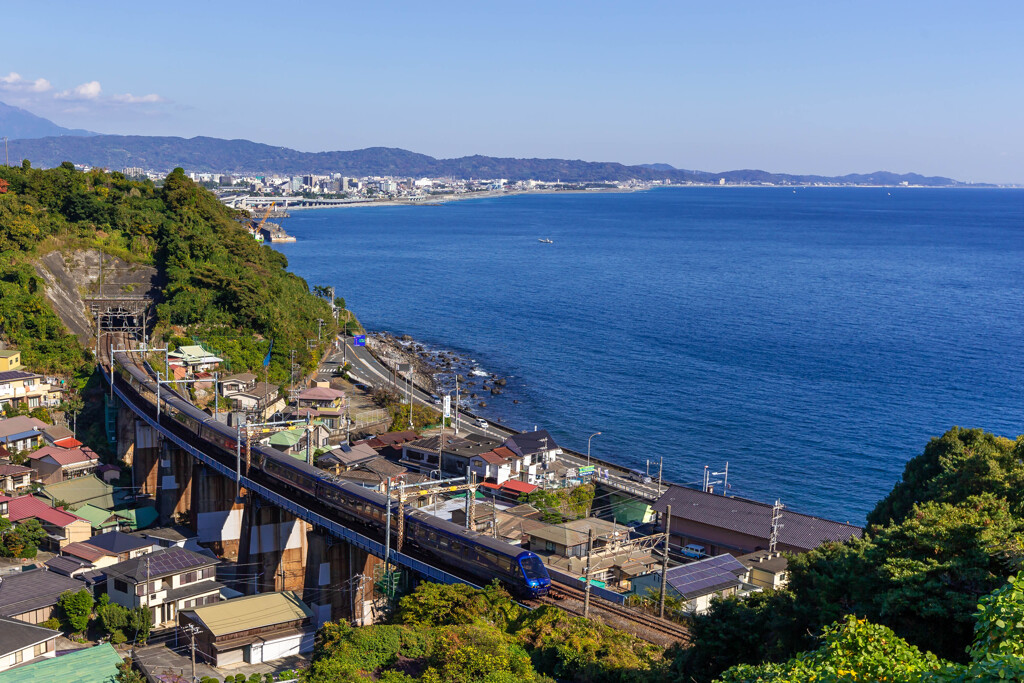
{"x":546,"y":241}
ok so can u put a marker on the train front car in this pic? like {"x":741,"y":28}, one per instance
{"x":535,"y":574}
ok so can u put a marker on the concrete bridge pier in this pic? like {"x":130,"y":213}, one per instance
{"x":216,"y":513}
{"x":272,"y":549}
{"x":339,"y":580}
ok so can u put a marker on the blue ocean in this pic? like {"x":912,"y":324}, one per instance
{"x":814,"y":339}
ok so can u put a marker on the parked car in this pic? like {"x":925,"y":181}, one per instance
{"x":693,"y":550}
{"x":640,"y":476}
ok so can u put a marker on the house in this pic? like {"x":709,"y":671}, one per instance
{"x":104,"y":550}
{"x":68,"y":565}
{"x":766,"y":569}
{"x":101,"y":521}
{"x":513,"y":527}
{"x":54,"y":464}
{"x":232,"y":384}
{"x":21,"y":433}
{"x":81,"y":490}
{"x":164,"y":537}
{"x":321,"y":397}
{"x":343,"y":458}
{"x":497,"y":465}
{"x":739,"y":526}
{"x":195,"y":358}
{"x":558,"y":540}
{"x":538,"y":452}
{"x":699,"y":582}
{"x":14,"y":478}
{"x":21,"y":643}
{"x":61,"y":526}
{"x":4,"y":501}
{"x":96,"y":664}
{"x":32,"y":596}
{"x":455,"y":452}
{"x":56,"y":435}
{"x":293,"y":441}
{"x":261,"y":399}
{"x":10,"y":359}
{"x":374,"y":473}
{"x":251,"y":629}
{"x":510,"y":491}
{"x":109,"y":473}
{"x":18,"y":387}
{"x":166,"y":581}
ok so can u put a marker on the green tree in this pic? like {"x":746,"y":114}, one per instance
{"x":127,"y":674}
{"x":21,"y":539}
{"x":77,"y":608}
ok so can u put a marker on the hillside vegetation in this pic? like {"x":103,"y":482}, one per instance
{"x":220,"y":286}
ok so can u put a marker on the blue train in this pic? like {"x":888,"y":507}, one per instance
{"x":452,"y":546}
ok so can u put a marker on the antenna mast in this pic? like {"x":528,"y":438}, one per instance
{"x":776,"y":518}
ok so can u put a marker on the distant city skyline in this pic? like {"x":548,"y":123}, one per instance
{"x":803,"y":88}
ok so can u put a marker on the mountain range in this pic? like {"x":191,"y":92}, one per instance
{"x":46,"y":144}
{"x":16,"y":123}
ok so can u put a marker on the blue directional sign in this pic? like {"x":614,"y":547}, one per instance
{"x":359,"y":340}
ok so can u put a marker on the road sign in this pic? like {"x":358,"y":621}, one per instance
{"x":359,"y":340}
{"x":587,"y":469}
{"x":447,"y":406}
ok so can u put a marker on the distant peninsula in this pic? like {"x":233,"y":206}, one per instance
{"x":49,"y":145}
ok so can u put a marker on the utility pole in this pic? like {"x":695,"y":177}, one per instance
{"x":238,"y":461}
{"x":319,"y":324}
{"x":469,"y":501}
{"x":192,"y":630}
{"x":664,"y":562}
{"x":387,"y":532}
{"x":216,"y":394}
{"x":309,"y":439}
{"x":661,"y":464}
{"x":456,"y":404}
{"x":586,"y":576}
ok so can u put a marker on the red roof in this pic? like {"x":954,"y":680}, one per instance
{"x":64,"y":456}
{"x":489,"y":485}
{"x":89,"y":553}
{"x":492,"y":457}
{"x":25,"y":507}
{"x":69,"y":442}
{"x":518,"y":486}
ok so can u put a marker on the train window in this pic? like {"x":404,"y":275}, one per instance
{"x":504,"y":564}
{"x":490,"y":557}
{"x":443,"y":543}
{"x":433,"y":537}
{"x":456,"y":547}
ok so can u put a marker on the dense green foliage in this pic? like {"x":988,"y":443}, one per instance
{"x":122,"y":624}
{"x":856,"y":650}
{"x":220,"y":285}
{"x":938,"y":542}
{"x":77,"y":609}
{"x":456,"y":634}
{"x":22,"y":539}
{"x":561,"y":505}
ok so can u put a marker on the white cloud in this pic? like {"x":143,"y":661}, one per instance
{"x":14,"y":81}
{"x":85,"y":91}
{"x":129,"y":98}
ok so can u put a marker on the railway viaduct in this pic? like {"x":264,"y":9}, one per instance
{"x":269,"y":541}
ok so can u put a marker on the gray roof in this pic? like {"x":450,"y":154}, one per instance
{"x":66,"y":564}
{"x":193,"y":589}
{"x":20,"y":593}
{"x":456,"y":445}
{"x":155,"y":565}
{"x":706,"y":576}
{"x":117,"y":542}
{"x":762,"y":559}
{"x":753,"y":518}
{"x":529,"y":443}
{"x":17,"y":635}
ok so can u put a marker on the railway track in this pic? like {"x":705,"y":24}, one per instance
{"x":646,"y":626}
{"x":568,"y":598}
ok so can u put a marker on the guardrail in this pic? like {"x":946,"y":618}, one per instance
{"x":362,"y":542}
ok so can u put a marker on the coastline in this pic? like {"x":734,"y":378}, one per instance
{"x":447,"y":199}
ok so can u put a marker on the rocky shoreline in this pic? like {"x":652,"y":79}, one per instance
{"x":437,"y":369}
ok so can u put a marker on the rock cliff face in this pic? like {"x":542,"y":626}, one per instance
{"x":74,"y":277}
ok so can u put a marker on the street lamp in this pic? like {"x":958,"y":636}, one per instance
{"x":588,"y":446}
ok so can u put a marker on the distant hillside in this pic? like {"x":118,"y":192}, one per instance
{"x":244,"y":157}
{"x":18,"y":123}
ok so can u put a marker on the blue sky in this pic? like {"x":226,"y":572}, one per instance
{"x":801,"y":87}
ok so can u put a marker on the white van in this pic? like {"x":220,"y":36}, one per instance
{"x":693,"y":550}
